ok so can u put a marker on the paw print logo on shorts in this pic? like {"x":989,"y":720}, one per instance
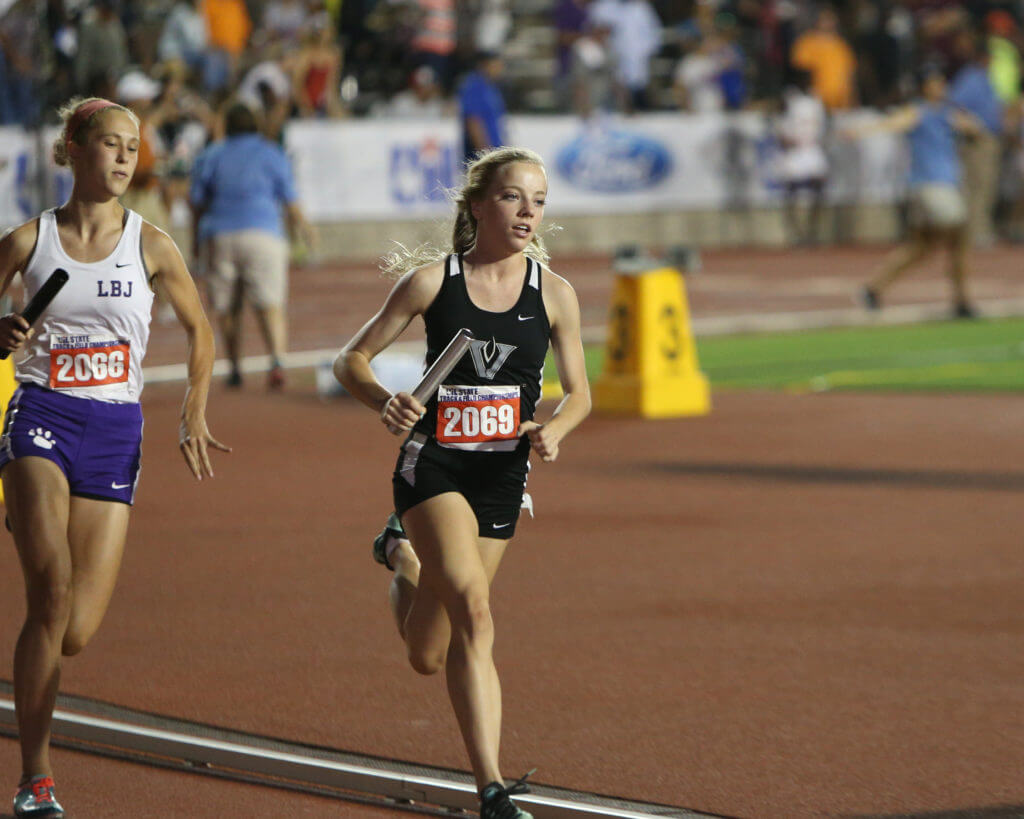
{"x":42,"y":438}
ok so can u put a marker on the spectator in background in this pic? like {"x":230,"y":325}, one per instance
{"x":1004,"y":69}
{"x":184,"y":37}
{"x":422,"y":99}
{"x":20,"y":58}
{"x":482,"y":107}
{"x":317,"y":73}
{"x":434,"y":40}
{"x":285,"y":22}
{"x":938,"y":23}
{"x":229,"y":27}
{"x":980,"y":152}
{"x":732,"y":64}
{"x":138,"y":92}
{"x":635,"y":38}
{"x":569,"y":18}
{"x":830,"y":61}
{"x":102,"y":50}
{"x":938,"y":215}
{"x":592,"y":71}
{"x":241,"y":185}
{"x":63,"y":34}
{"x":267,"y":87}
{"x":803,"y":165}
{"x":493,"y":21}
{"x":697,"y":85}
{"x":884,"y":39}
{"x":186,"y":124}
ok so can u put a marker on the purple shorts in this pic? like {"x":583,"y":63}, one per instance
{"x":96,"y":444}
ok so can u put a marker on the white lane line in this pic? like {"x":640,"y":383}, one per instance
{"x":307,"y":769}
{"x":702,"y":326}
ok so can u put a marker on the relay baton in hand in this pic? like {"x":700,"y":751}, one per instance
{"x":438,"y":371}
{"x":41,"y":300}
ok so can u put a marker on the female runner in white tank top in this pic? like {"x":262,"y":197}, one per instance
{"x":72,"y":434}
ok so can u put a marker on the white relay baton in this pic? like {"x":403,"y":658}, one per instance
{"x":438,"y":371}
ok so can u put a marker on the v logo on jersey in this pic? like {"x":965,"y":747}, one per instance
{"x":488,"y":356}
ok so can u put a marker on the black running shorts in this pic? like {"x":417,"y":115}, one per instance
{"x":492,"y":482}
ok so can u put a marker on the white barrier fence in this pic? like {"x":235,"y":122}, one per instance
{"x":354,"y":170}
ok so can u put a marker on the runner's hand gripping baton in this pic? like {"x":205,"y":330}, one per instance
{"x":41,"y":300}
{"x":439,"y":370}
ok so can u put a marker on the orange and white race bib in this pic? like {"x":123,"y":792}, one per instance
{"x":471,"y":416}
{"x":87,"y":361}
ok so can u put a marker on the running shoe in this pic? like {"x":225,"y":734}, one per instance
{"x":870,"y":298}
{"x":392,"y":531}
{"x":35,"y":798}
{"x":276,"y":378}
{"x":964,"y":310}
{"x":495,"y":802}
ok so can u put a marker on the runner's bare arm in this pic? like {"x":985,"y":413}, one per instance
{"x":410,"y":297}
{"x":171,"y":280}
{"x":15,"y":250}
{"x":567,"y":344}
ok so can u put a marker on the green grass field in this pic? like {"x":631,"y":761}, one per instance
{"x":940,"y":356}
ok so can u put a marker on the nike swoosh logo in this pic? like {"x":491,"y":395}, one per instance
{"x":500,"y":525}
{"x":524,"y":318}
{"x":119,"y":485}
{"x":126,"y":264}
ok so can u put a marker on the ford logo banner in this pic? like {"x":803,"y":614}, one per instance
{"x":608,"y":161}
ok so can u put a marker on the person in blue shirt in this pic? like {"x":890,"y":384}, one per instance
{"x":482,"y":107}
{"x":242,"y":193}
{"x":937,"y":213}
{"x":971,"y":90}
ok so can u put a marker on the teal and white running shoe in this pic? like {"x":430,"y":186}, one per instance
{"x":495,"y":802}
{"x":36,"y":799}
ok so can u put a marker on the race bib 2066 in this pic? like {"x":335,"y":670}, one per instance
{"x":469,"y":415}
{"x":87,"y":361}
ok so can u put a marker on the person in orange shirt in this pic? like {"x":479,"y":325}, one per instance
{"x":229,"y":26}
{"x":830,"y":61}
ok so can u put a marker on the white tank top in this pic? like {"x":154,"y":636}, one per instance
{"x":91,"y":340}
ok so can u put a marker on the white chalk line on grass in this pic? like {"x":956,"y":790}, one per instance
{"x":702,"y":326}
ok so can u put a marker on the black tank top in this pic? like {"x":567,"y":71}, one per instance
{"x":505,"y":358}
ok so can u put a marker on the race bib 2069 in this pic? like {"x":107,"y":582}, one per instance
{"x":87,"y":361}
{"x":470,"y":415}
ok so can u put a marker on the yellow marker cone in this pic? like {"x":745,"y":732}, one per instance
{"x":7,"y":387}
{"x":650,"y":364}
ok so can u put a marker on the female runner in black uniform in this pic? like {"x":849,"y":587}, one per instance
{"x":461,"y":473}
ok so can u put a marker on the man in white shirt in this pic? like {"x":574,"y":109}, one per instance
{"x":636,"y":37}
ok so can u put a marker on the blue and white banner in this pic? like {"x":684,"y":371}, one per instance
{"x":353,"y":170}
{"x":388,"y":169}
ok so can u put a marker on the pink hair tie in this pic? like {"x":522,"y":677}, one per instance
{"x":82,"y":114}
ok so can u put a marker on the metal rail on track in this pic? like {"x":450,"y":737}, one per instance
{"x":313,"y":770}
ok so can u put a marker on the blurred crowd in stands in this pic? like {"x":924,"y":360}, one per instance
{"x":177,"y":61}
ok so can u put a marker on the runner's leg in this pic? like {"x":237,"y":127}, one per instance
{"x":444,"y":530}
{"x":37,"y":500}
{"x":96,"y":534}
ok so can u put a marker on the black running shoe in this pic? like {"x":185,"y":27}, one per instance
{"x":392,"y":531}
{"x":963,"y":310}
{"x":495,"y":802}
{"x":870,"y":298}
